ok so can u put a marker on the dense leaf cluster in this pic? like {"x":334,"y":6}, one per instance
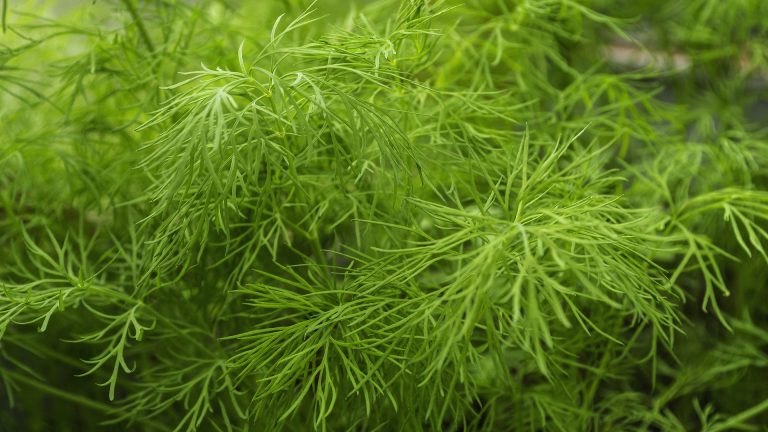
{"x":384,"y":215}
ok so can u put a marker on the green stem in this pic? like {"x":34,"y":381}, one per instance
{"x":4,"y":13}
{"x":140,"y":24}
{"x":82,"y":401}
{"x":317,"y":248}
{"x":53,"y":391}
{"x":739,"y":419}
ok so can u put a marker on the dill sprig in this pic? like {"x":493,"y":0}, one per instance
{"x":383,"y":215}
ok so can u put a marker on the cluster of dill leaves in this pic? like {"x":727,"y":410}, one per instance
{"x":390,"y":215}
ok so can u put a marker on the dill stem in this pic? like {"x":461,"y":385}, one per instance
{"x":53,"y":391}
{"x":734,"y":421}
{"x":82,"y":401}
{"x":4,"y":14}
{"x":140,"y":24}
{"x":317,"y":248}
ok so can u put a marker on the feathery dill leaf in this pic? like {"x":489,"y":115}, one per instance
{"x":383,"y":215}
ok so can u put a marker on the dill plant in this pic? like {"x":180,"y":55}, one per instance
{"x":385,"y":215}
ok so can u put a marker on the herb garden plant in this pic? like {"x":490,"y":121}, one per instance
{"x":390,"y":215}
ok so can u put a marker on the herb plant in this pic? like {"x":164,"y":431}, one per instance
{"x":390,"y":215}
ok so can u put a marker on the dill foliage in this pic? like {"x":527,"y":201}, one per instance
{"x":390,"y":215}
